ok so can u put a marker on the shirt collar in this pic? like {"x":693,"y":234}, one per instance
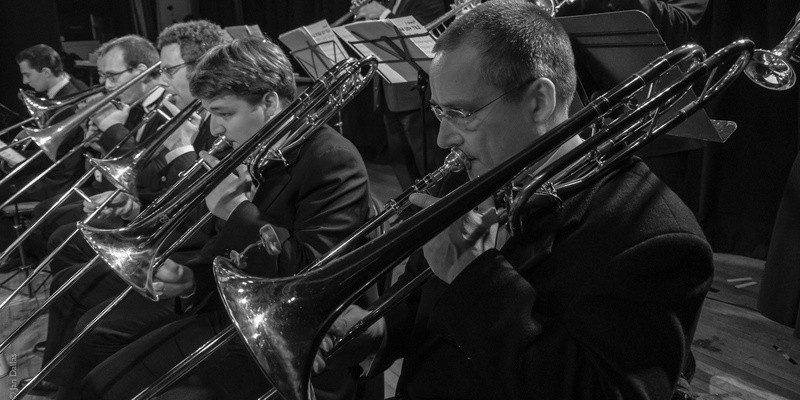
{"x":53,"y":91}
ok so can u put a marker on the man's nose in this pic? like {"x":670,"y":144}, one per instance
{"x":215,"y":127}
{"x":448,"y":135}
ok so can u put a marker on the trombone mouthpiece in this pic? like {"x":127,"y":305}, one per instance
{"x":456,"y":161}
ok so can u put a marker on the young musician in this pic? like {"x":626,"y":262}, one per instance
{"x":310,"y":203}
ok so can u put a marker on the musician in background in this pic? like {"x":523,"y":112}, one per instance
{"x":180,"y":46}
{"x":597,"y":297}
{"x":119,"y":60}
{"x":41,"y":69}
{"x":308,"y":204}
{"x":400,"y":103}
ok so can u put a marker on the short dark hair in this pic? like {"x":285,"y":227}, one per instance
{"x":518,"y":41}
{"x":42,"y":56}
{"x":248,"y":68}
{"x":195,"y":38}
{"x":136,"y":50}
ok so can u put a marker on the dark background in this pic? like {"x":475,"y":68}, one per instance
{"x":742,"y":180}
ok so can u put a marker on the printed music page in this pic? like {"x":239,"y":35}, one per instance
{"x":10,"y":156}
{"x":315,"y":47}
{"x":401,"y":45}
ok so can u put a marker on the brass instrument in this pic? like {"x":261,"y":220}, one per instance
{"x":150,"y":144}
{"x":457,"y":9}
{"x":454,"y":162}
{"x":153,"y":141}
{"x":50,"y":138}
{"x":284,"y":320}
{"x":76,"y":148}
{"x":552,"y":6}
{"x":132,"y":251}
{"x":43,"y":110}
{"x":771,"y":68}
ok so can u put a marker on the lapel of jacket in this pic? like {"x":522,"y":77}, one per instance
{"x":276,"y":176}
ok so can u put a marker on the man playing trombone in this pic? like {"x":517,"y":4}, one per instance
{"x":41,"y":69}
{"x":119,"y":61}
{"x":189,"y":40}
{"x":595,"y":298}
{"x":309,"y":203}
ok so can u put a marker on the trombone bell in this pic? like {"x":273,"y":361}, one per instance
{"x":771,"y":68}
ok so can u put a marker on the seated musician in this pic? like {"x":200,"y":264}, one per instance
{"x":181,"y":43}
{"x":119,"y":61}
{"x":41,"y":69}
{"x":311,"y":203}
{"x":596,"y":299}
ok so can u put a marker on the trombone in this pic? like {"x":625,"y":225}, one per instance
{"x":155,"y":141}
{"x":58,"y":132}
{"x":72,"y":151}
{"x":50,"y":138}
{"x":43,"y":110}
{"x":284,"y":335}
{"x":121,"y":184}
{"x":771,"y":68}
{"x":454,"y":162}
{"x":131,"y":251}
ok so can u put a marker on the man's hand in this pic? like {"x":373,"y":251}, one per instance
{"x":186,"y":133}
{"x":449,"y":252}
{"x":91,"y":137}
{"x":172,"y":280}
{"x":231,"y":192}
{"x":365,"y":345}
{"x":122,"y":206}
{"x":109,"y":116}
{"x":371,"y":10}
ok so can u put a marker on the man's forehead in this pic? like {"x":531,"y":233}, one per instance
{"x":455,"y":76}
{"x":112,"y":59}
{"x":223,"y":102}
{"x":25,"y":66}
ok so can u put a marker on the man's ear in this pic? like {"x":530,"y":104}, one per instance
{"x":271,"y":103}
{"x":543,"y":92}
{"x":47,"y":72}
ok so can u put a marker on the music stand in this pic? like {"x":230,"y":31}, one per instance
{"x":400,"y":57}
{"x":609,"y":47}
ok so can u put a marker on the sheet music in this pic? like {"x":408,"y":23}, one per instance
{"x":10,"y":156}
{"x":315,"y":47}
{"x":392,"y":42}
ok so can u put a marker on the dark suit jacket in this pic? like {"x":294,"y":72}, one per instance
{"x":313,"y":204}
{"x":404,"y":96}
{"x":61,"y":177}
{"x":597,"y":300}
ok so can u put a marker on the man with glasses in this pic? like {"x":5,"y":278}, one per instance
{"x":308,"y":204}
{"x":190,"y":40}
{"x":118,"y":61}
{"x":597,"y":297}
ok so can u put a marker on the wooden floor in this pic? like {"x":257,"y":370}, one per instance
{"x":740,"y":354}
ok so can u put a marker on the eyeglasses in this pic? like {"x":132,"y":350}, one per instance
{"x":170,"y":71}
{"x":112,"y":77}
{"x":459,"y":117}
